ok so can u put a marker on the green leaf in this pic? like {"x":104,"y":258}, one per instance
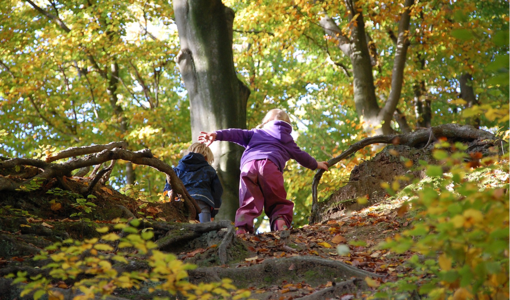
{"x":462,"y":34}
{"x":440,"y":154}
{"x":135,"y":223}
{"x":147,"y":235}
{"x":465,"y":276}
{"x":434,"y":171}
{"x":460,"y":16}
{"x":501,"y":62}
{"x":501,"y":38}
{"x":499,"y":79}
{"x":38,"y":294}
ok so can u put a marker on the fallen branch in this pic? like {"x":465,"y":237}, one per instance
{"x":56,"y":170}
{"x":78,"y":151}
{"x":413,"y":139}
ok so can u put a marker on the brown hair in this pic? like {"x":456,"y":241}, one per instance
{"x":275,"y":114}
{"x":202,"y":149}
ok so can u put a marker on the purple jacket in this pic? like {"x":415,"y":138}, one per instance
{"x":272,"y":142}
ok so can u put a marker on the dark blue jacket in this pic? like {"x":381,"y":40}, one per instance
{"x":200,"y":180}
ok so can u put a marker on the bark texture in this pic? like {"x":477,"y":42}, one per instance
{"x":218,"y":98}
{"x":468,"y":94}
{"x":356,"y":48}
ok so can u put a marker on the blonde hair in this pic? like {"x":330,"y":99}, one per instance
{"x":275,"y":114}
{"x":202,"y":149}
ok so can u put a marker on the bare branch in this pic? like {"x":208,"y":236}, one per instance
{"x":145,"y":88}
{"x":62,"y":25}
{"x":142,"y":157}
{"x":6,"y":67}
{"x":78,"y":151}
{"x":392,"y":35}
{"x":48,"y":121}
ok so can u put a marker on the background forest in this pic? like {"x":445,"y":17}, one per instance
{"x":84,"y":72}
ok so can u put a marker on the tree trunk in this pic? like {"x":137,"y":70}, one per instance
{"x":468,"y":94}
{"x":422,"y":105}
{"x":218,"y":98}
{"x":376,"y":120}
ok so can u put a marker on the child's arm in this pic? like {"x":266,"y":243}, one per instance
{"x":306,"y":160}
{"x":239,"y":136}
{"x":207,"y":138}
{"x":322,"y":165}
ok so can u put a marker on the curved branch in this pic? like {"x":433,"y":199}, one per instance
{"x":142,"y":157}
{"x":77,"y":151}
{"x":412,"y":139}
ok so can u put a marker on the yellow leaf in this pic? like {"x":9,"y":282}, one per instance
{"x":474,"y":214}
{"x":102,"y":229}
{"x":54,"y":295}
{"x":458,"y":221}
{"x":325,"y":245}
{"x":110,"y":237}
{"x":371,"y":283}
{"x":120,"y":258}
{"x":458,"y":102}
{"x":56,"y":206}
{"x":103,"y":247}
{"x":461,"y":294}
{"x":445,"y":262}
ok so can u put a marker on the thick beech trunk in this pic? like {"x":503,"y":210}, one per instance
{"x":218,"y":98}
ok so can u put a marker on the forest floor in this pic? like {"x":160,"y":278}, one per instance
{"x":33,"y":220}
{"x":338,"y":258}
{"x":361,"y":231}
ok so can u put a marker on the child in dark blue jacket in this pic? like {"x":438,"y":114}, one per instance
{"x":200,"y":180}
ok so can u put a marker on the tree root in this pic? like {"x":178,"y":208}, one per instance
{"x":277,"y":269}
{"x":413,"y":139}
{"x":192,"y":231}
{"x":338,"y":289}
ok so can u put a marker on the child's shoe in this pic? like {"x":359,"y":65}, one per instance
{"x":280,"y":224}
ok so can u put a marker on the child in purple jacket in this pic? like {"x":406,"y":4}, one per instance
{"x":262,"y":163}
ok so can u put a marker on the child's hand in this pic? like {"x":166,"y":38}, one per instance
{"x":207,"y":138}
{"x":322,"y":165}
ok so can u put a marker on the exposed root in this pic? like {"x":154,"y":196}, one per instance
{"x":279,"y":268}
{"x":338,"y":289}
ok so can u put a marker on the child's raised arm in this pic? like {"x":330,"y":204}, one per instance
{"x":207,"y":138}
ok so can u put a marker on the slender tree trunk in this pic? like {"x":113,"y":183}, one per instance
{"x":468,"y":94}
{"x":376,"y":120}
{"x":422,"y":105}
{"x":218,"y":98}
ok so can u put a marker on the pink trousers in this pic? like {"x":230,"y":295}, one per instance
{"x":261,"y":187}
